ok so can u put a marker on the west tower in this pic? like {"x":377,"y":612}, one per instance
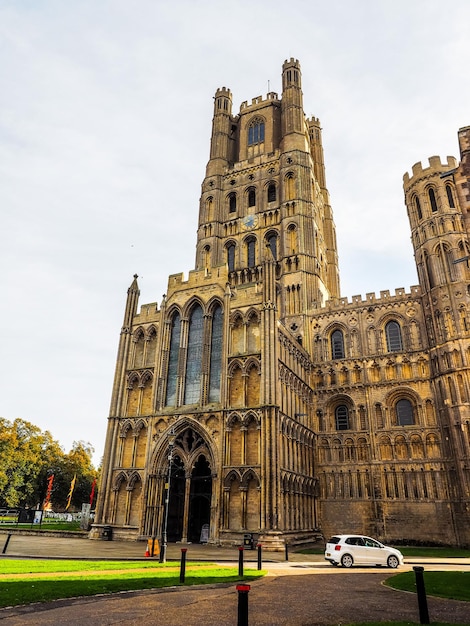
{"x":224,"y":363}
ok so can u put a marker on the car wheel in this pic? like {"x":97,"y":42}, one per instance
{"x":392,"y":561}
{"x":347,"y":560}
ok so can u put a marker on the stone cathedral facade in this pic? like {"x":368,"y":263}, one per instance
{"x":286,"y":409}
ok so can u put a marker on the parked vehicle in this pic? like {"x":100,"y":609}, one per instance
{"x":349,"y":550}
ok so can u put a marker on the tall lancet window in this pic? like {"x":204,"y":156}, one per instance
{"x":337,"y":345}
{"x":251,"y":252}
{"x":432,"y":199}
{"x":192,"y":387}
{"x":393,"y":334}
{"x":171,"y":384}
{"x":450,"y":196}
{"x":216,"y":354}
{"x":271,"y":242}
{"x":231,"y":257}
{"x":256,"y":132}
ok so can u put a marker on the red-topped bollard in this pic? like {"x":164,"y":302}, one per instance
{"x":183,"y":564}
{"x":240,"y":561}
{"x":243,"y":604}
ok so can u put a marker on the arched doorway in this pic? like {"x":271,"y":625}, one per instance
{"x":190,"y":494}
{"x":200,"y":498}
{"x":176,"y":503}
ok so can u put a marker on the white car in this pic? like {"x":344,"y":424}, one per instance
{"x":349,"y":550}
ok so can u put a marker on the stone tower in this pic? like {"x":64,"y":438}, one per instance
{"x":222,"y":363}
{"x":438,"y":202}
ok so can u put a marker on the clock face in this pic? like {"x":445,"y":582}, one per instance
{"x":249,"y":222}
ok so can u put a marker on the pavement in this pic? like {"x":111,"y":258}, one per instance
{"x":303,"y":591}
{"x":22,"y":545}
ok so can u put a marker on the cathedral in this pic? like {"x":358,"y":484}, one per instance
{"x":255,"y":399}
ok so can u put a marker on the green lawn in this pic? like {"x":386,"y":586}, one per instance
{"x":455,"y":585}
{"x":441,"y":553}
{"x":26,"y":581}
{"x":401,"y":624}
{"x":46,"y":525}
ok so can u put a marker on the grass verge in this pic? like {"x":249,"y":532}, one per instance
{"x":401,"y":624}
{"x":24,"y":582}
{"x":46,"y":525}
{"x":454,"y":585}
{"x":440,"y":553}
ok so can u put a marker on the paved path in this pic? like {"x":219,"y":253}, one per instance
{"x":303,"y":592}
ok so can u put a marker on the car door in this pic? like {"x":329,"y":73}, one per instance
{"x":374,"y":552}
{"x":356,"y":547}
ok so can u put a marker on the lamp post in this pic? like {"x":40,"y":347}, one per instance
{"x":171,"y":443}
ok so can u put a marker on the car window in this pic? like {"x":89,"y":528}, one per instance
{"x":354,"y":541}
{"x":370,"y":543}
{"x":333,"y":540}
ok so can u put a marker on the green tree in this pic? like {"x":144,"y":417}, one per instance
{"x":24,"y":451}
{"x":28,"y":457}
{"x":77,"y":463}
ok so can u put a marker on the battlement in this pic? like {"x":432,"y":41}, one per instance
{"x":291,"y":63}
{"x":313,"y":121}
{"x":198,"y":279}
{"x":271,"y":96}
{"x":371,"y":299}
{"x":148,"y":313}
{"x":223,"y":91}
{"x":435,"y":165}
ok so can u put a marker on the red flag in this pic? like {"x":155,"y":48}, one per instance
{"x":50,"y":480}
{"x":92,"y":495}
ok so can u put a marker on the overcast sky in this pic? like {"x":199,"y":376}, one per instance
{"x":105,"y":120}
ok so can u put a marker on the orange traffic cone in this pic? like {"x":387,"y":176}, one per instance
{"x":147,"y":553}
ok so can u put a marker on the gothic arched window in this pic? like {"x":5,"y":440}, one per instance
{"x":232,"y":202}
{"x":432,"y":199}
{"x":256,"y":132}
{"x":450,"y":196}
{"x":404,"y":412}
{"x":192,"y":383}
{"x":251,"y":252}
{"x":251,"y":196}
{"x":216,"y":354}
{"x":418,"y":207}
{"x":393,"y":334}
{"x":342,"y":417}
{"x":337,"y":345}
{"x":271,"y":241}
{"x":171,"y":384}
{"x":231,"y":257}
{"x":272,"y":193}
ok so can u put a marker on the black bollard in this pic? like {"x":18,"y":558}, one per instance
{"x":287,"y":552}
{"x":421,"y":592}
{"x":6,"y":543}
{"x":243,"y":604}
{"x":240,"y":561}
{"x":259,"y":546}
{"x":183,"y":564}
